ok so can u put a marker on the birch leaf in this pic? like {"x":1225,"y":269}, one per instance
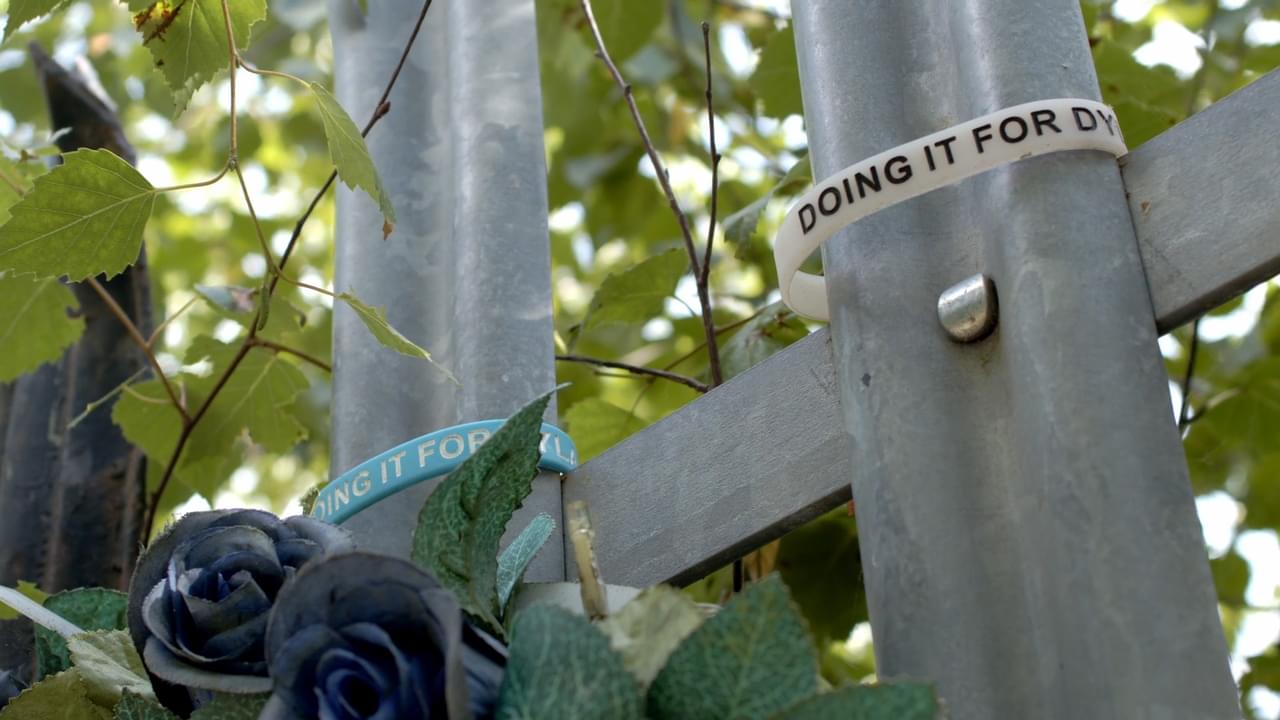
{"x":35,"y":323}
{"x":83,"y":218}
{"x":350,"y":154}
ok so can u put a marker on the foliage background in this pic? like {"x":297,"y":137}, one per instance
{"x":1158,"y":62}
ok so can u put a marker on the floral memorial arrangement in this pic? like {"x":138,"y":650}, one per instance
{"x":238,"y":614}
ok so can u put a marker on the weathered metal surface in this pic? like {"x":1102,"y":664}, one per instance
{"x":738,"y":467}
{"x":1188,"y":269}
{"x":1203,"y":200}
{"x":1027,"y":527}
{"x":467,"y":272}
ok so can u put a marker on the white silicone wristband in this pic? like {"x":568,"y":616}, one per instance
{"x":931,"y":162}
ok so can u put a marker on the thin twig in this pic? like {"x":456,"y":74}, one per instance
{"x":151,"y":341}
{"x":704,"y":292}
{"x":136,"y":336}
{"x":659,"y":169}
{"x":187,"y":429}
{"x":637,"y":370}
{"x":301,"y":355}
{"x":13,"y":183}
{"x":380,"y":109}
{"x":233,"y":157}
{"x":1184,"y":414}
{"x":89,"y":408}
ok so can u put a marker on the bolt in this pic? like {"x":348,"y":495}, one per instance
{"x":968,"y":310}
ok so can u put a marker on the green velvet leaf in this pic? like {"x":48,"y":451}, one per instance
{"x":22,"y":11}
{"x":83,"y":218}
{"x":188,"y":38}
{"x":375,"y":319}
{"x":28,"y":589}
{"x":231,"y":707}
{"x":650,"y":627}
{"x":751,"y":660}
{"x":350,"y":154}
{"x":109,"y":665}
{"x":64,"y":696}
{"x":135,"y":707}
{"x":35,"y":323}
{"x":516,"y":557}
{"x":561,"y":666}
{"x":463,"y":519}
{"x":635,"y":295}
{"x":89,"y":608}
{"x":892,"y":701}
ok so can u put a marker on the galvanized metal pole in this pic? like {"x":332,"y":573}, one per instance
{"x":467,"y":272}
{"x":1028,"y":530}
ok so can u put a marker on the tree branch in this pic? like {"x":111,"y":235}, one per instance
{"x":301,"y":355}
{"x":704,"y":292}
{"x":637,"y":370}
{"x":659,"y":169}
{"x":136,"y":336}
{"x":251,"y":339}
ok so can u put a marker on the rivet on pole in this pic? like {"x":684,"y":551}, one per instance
{"x":968,"y":310}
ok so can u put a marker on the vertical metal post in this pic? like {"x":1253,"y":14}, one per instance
{"x":1028,"y":530}
{"x":467,"y":272}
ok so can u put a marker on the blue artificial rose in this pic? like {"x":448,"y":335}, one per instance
{"x":202,"y":592}
{"x":10,"y":687}
{"x":362,"y":636}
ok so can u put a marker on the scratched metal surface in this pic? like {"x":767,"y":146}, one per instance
{"x":1204,"y":202}
{"x":1028,"y":533}
{"x":467,"y":272}
{"x":722,"y":475}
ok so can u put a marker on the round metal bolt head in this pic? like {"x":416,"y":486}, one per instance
{"x":968,"y":309}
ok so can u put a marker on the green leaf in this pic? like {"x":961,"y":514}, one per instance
{"x":636,"y":294}
{"x":82,"y":218}
{"x":61,"y":697}
{"x":740,"y":226}
{"x":463,"y":519}
{"x":350,"y":154}
{"x":1230,"y":577}
{"x":561,"y":667}
{"x":23,"y":11}
{"x":88,"y":608}
{"x":231,"y":707}
{"x":821,"y":563}
{"x":773,"y":329}
{"x":751,"y":660}
{"x":35,"y":323}
{"x":28,"y":589}
{"x":188,"y":38}
{"x":517,"y":556}
{"x":375,"y":319}
{"x":776,"y":79}
{"x":109,"y":665}
{"x":626,"y":25}
{"x":135,"y":707}
{"x":650,"y":627}
{"x":597,"y":425}
{"x":892,"y":701}
{"x":148,"y":420}
{"x":258,"y":396}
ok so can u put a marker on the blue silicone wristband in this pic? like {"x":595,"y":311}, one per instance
{"x":423,"y":458}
